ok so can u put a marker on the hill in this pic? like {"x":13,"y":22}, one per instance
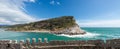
{"x":59,"y":25}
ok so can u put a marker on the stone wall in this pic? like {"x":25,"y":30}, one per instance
{"x":55,"y":44}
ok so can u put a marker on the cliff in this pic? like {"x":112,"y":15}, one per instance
{"x":60,"y":25}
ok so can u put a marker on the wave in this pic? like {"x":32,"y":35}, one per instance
{"x":87,"y":35}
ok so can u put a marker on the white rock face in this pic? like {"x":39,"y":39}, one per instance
{"x":72,"y":31}
{"x":76,"y":29}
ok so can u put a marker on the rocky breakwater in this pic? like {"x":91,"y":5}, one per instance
{"x":59,"y":25}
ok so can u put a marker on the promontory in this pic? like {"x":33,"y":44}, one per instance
{"x":59,"y":25}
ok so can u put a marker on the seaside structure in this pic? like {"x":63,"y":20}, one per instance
{"x":56,"y":44}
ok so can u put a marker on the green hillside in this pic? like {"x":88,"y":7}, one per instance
{"x":52,"y":24}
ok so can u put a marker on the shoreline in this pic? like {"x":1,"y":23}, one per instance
{"x":30,"y":31}
{"x":51,"y":32}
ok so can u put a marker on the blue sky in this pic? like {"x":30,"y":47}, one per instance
{"x":88,"y":13}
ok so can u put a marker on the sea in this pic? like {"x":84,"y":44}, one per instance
{"x":92,"y":33}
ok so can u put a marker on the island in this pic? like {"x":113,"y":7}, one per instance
{"x":59,"y":25}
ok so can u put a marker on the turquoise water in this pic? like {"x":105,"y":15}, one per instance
{"x":92,"y":34}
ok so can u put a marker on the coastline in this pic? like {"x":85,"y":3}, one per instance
{"x":32,"y":31}
{"x":73,"y":30}
{"x":51,"y":32}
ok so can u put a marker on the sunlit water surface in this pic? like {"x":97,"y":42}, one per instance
{"x":92,"y":34}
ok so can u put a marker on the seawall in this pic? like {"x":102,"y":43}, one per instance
{"x":56,"y":44}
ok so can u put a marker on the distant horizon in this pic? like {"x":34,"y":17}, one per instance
{"x":88,"y":13}
{"x":61,"y":16}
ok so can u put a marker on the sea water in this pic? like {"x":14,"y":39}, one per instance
{"x":92,"y":33}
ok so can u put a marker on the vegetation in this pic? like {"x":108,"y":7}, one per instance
{"x":3,"y":26}
{"x":50,"y":24}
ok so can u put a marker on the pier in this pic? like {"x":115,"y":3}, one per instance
{"x":58,"y":44}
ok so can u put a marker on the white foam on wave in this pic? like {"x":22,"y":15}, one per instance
{"x":87,"y":35}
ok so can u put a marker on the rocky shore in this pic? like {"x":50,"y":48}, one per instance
{"x":75,"y":30}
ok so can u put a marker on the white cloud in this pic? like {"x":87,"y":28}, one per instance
{"x":58,"y":3}
{"x":32,"y":1}
{"x":52,"y":2}
{"x":99,"y":23}
{"x":55,"y":2}
{"x":13,"y":12}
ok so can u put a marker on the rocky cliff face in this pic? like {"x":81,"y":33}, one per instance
{"x":60,"y":25}
{"x":75,"y":30}
{"x":71,"y":31}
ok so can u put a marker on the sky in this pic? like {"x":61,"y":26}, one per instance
{"x":87,"y":13}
